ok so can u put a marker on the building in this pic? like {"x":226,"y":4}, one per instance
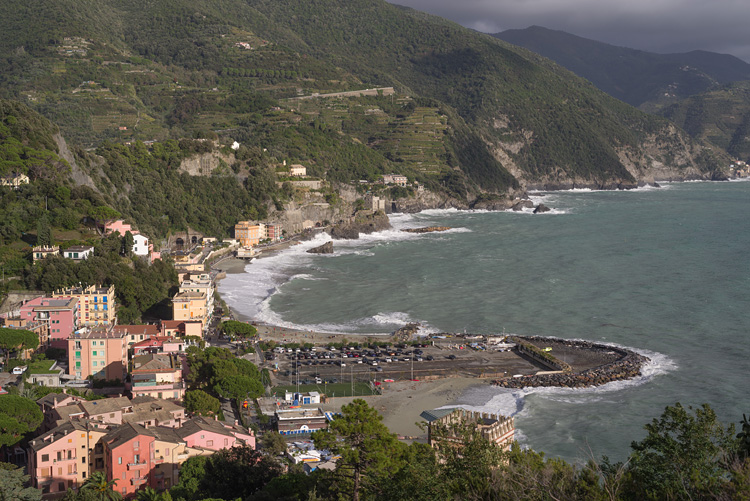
{"x":61,"y":315}
{"x":190,"y":306}
{"x":297,"y":170}
{"x":14,"y":181}
{"x":273,"y":232}
{"x":396,"y":179}
{"x":41,"y":252}
{"x":312,"y":397}
{"x":200,"y":283}
{"x":141,"y":247}
{"x":215,"y":435}
{"x":127,"y":456}
{"x":445,"y":427}
{"x":247,"y":233}
{"x":157,"y":375}
{"x":374,"y":203}
{"x":162,"y":344}
{"x":99,"y":352}
{"x":61,"y":459}
{"x":96,"y":304}
{"x":181,"y":328}
{"x":45,"y":373}
{"x":137,"y":333}
{"x":38,"y":327}
{"x":78,"y":252}
{"x":299,"y":421}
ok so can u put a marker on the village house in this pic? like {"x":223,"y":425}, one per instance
{"x":181,"y":328}
{"x":42,"y":252}
{"x":162,"y":344}
{"x":14,"y":181}
{"x":38,"y":327}
{"x":157,"y":375}
{"x":99,"y":352}
{"x":136,"y":333}
{"x":96,"y":304}
{"x":78,"y":252}
{"x":200,"y":283}
{"x":297,"y":170}
{"x":396,"y":179}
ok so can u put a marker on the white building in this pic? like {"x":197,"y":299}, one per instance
{"x":297,"y":170}
{"x":78,"y":252}
{"x":140,"y":245}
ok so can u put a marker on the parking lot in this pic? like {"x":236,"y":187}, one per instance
{"x":327,"y":365}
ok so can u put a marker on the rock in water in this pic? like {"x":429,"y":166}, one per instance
{"x":326,"y":248}
{"x":427,"y":229}
{"x":541,"y":208}
{"x":363,"y":222}
{"x":522,"y":204}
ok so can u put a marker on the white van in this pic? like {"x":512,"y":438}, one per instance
{"x":20,"y":369}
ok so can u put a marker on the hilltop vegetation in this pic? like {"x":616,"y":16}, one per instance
{"x":158,"y":70}
{"x":721,"y":116}
{"x":642,"y":79}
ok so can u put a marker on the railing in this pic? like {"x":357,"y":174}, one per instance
{"x":138,"y":481}
{"x":137,"y":466}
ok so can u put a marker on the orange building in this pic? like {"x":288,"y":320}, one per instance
{"x":98,"y":351}
{"x":248,"y":233}
{"x":190,"y":305}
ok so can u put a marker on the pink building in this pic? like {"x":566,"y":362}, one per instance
{"x":61,"y":313}
{"x":137,"y":333}
{"x":98,"y":351}
{"x":127,"y":455}
{"x":215,"y":435}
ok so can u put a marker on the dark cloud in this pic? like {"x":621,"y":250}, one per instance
{"x":655,"y":25}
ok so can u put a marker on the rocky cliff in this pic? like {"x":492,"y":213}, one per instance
{"x":363,"y":222}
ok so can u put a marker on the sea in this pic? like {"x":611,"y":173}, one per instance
{"x":664,"y":271}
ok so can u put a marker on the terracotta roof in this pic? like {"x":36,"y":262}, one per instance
{"x":155,"y":362}
{"x":124,"y":433}
{"x":145,"y":329}
{"x":103,"y":405}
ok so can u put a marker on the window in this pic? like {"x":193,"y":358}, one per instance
{"x":46,"y":472}
{"x":94,"y":363}
{"x":78,"y":365}
{"x":136,"y":445}
{"x":83,"y":459}
{"x":210,"y":443}
{"x":166,"y":452}
{"x":104,"y":299}
{"x":93,"y":353}
{"x":45,"y":457}
{"x":119,"y":460}
{"x":61,"y":486}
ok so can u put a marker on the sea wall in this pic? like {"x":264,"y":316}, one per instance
{"x":627,"y":366}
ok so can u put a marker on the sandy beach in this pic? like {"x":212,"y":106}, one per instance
{"x":403,"y":402}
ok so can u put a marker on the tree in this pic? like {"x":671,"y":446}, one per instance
{"x":369,"y":452}
{"x":103,"y":489}
{"x":238,"y":386}
{"x":239,"y":329}
{"x":18,"y":416}
{"x":43,"y":231}
{"x":273,"y":443}
{"x":200,"y":402}
{"x":150,"y":494}
{"x":12,"y":482}
{"x":127,"y":243}
{"x":192,"y":473}
{"x":684,"y":455}
{"x":238,"y":472}
{"x":103,"y":215}
{"x":17,"y":339}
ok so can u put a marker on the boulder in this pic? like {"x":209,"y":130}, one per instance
{"x":541,"y":208}
{"x":326,"y":248}
{"x":427,"y":229}
{"x":522,"y":204}
{"x":363,"y":222}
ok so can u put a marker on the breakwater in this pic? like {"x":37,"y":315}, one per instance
{"x":623,"y":364}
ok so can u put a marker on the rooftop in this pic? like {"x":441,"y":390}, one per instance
{"x":98,"y":332}
{"x":155,"y":362}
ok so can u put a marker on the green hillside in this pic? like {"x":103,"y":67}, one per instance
{"x":721,"y":116}
{"x":135,"y":70}
{"x":642,"y":79}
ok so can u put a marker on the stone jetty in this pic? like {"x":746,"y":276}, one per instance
{"x":626,"y":365}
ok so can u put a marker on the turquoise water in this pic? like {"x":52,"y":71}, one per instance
{"x":664,"y":271}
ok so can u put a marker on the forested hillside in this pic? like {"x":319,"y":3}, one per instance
{"x":721,"y":116}
{"x":642,"y":79}
{"x":131,"y":69}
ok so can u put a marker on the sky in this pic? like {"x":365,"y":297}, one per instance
{"x":661,"y":26}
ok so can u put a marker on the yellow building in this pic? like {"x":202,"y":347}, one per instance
{"x":190,"y":305}
{"x":96,"y":305}
{"x":248,"y":233}
{"x":41,"y":252}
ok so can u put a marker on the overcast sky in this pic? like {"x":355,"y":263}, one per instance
{"x":661,"y":26}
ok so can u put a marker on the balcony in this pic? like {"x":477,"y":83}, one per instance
{"x":138,"y":481}
{"x":137,"y":466}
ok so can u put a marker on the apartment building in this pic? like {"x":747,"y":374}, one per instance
{"x":61,"y":314}
{"x":96,"y":304}
{"x":100,"y":352}
{"x":157,"y":375}
{"x":190,"y":306}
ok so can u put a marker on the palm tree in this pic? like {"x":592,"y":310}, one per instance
{"x":149,"y":494}
{"x":104,"y":489}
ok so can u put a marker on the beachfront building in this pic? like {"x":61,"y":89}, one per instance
{"x":42,"y":252}
{"x":158,"y":376}
{"x":445,"y":427}
{"x":200,"y":283}
{"x":78,"y":252}
{"x":99,"y":352}
{"x":61,"y":314}
{"x":247,"y":233}
{"x":96,"y":303}
{"x":299,"y":421}
{"x":190,"y":306}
